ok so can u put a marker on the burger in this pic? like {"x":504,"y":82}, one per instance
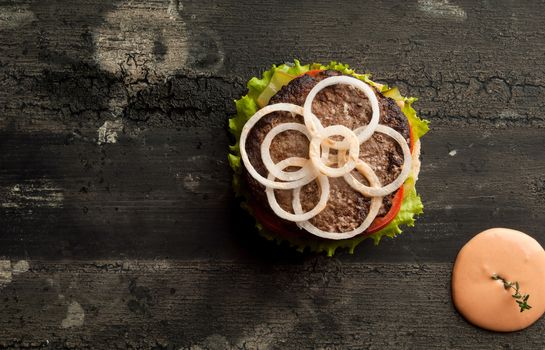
{"x":325,"y":158}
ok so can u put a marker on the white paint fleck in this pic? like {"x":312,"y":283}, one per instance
{"x":510,"y":114}
{"x":75,"y":316}
{"x":9,"y":205}
{"x":174,"y":9}
{"x":263,"y":337}
{"x":12,"y":17}
{"x":191,"y":182}
{"x":202,"y":183}
{"x":108,"y":132}
{"x":140,"y":42}
{"x":442,"y":9}
{"x":194,"y":180}
{"x":8,"y":270}
{"x":33,"y":193}
{"x":213,"y":342}
{"x":448,"y":207}
{"x":20,"y":266}
{"x":160,"y":265}
{"x":452,"y":153}
{"x":5,"y":272}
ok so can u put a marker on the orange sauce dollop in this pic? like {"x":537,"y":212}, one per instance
{"x":485,"y":302}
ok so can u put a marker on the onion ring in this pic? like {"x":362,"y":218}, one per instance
{"x":376,"y":203}
{"x":306,"y":170}
{"x":314,"y":125}
{"x":416,"y":160}
{"x":354,"y":150}
{"x":278,"y":107}
{"x":298,"y":217}
{"x":394,"y":185}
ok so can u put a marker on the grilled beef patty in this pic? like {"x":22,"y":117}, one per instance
{"x":337,"y":104}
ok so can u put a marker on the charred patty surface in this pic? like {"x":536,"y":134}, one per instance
{"x":337,"y":104}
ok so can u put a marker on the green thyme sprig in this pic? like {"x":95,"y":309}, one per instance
{"x":522,"y":300}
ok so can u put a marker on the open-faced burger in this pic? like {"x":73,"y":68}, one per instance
{"x":325,"y":157}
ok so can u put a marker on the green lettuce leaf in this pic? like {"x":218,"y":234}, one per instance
{"x":410,"y":206}
{"x":419,"y":126}
{"x":256,"y":85}
{"x":247,"y":106}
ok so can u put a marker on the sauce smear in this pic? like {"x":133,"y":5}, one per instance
{"x":485,"y":302}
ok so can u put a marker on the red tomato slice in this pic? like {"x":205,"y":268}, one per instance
{"x":312,"y":73}
{"x":381,"y":222}
{"x":271,"y":222}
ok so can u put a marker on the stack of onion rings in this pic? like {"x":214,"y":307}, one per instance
{"x":318,"y":165}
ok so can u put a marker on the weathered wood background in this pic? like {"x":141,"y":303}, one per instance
{"x":117,"y":224}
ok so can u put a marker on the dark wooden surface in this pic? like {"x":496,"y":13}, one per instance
{"x":135,"y":239}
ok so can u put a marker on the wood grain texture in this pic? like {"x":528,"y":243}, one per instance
{"x":114,"y":184}
{"x":468,"y":62}
{"x":318,"y":303}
